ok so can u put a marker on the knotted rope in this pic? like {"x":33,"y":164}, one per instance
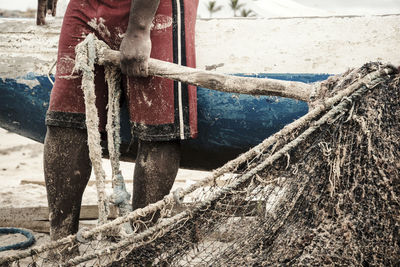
{"x":86,"y":55}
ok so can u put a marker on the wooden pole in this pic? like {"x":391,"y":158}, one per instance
{"x":216,"y":81}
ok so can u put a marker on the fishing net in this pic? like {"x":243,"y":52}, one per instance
{"x":323,"y":191}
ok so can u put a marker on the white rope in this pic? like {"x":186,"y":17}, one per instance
{"x":120,"y":196}
{"x":86,"y":53}
{"x":84,"y":62}
{"x":50,"y":71}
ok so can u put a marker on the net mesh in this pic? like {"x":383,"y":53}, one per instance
{"x":324,"y":192}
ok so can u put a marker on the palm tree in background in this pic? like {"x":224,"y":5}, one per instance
{"x":213,"y":8}
{"x":247,"y":13}
{"x":235,"y":6}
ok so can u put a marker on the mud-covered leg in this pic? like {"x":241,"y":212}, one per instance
{"x":67,"y":170}
{"x":156,"y":167}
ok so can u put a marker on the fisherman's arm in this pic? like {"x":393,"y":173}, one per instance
{"x":136,"y":45}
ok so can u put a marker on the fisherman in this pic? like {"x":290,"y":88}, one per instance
{"x":162,"y":112}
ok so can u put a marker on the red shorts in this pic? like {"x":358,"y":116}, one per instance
{"x":159,"y":109}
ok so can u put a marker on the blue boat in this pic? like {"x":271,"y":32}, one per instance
{"x":229,"y":124}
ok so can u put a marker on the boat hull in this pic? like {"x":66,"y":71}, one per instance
{"x":229,"y":124}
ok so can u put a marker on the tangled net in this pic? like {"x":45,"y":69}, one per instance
{"x":323,"y":191}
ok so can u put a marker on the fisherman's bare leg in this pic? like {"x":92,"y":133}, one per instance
{"x":67,"y":170}
{"x":41,"y":12}
{"x":156,"y":167}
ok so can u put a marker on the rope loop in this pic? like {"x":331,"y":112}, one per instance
{"x":30,"y":239}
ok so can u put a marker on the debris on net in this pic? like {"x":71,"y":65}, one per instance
{"x":323,"y":191}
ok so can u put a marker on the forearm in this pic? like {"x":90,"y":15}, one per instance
{"x":136,"y":46}
{"x":141,"y":16}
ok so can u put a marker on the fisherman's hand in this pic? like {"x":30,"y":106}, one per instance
{"x":135,"y":53}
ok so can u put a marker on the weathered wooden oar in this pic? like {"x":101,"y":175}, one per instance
{"x":217,"y":81}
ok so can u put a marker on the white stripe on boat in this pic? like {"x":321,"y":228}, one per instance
{"x":179,"y":23}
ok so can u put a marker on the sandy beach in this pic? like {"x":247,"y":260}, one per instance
{"x":21,"y":161}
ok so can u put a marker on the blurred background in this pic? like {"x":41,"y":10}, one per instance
{"x":245,"y":8}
